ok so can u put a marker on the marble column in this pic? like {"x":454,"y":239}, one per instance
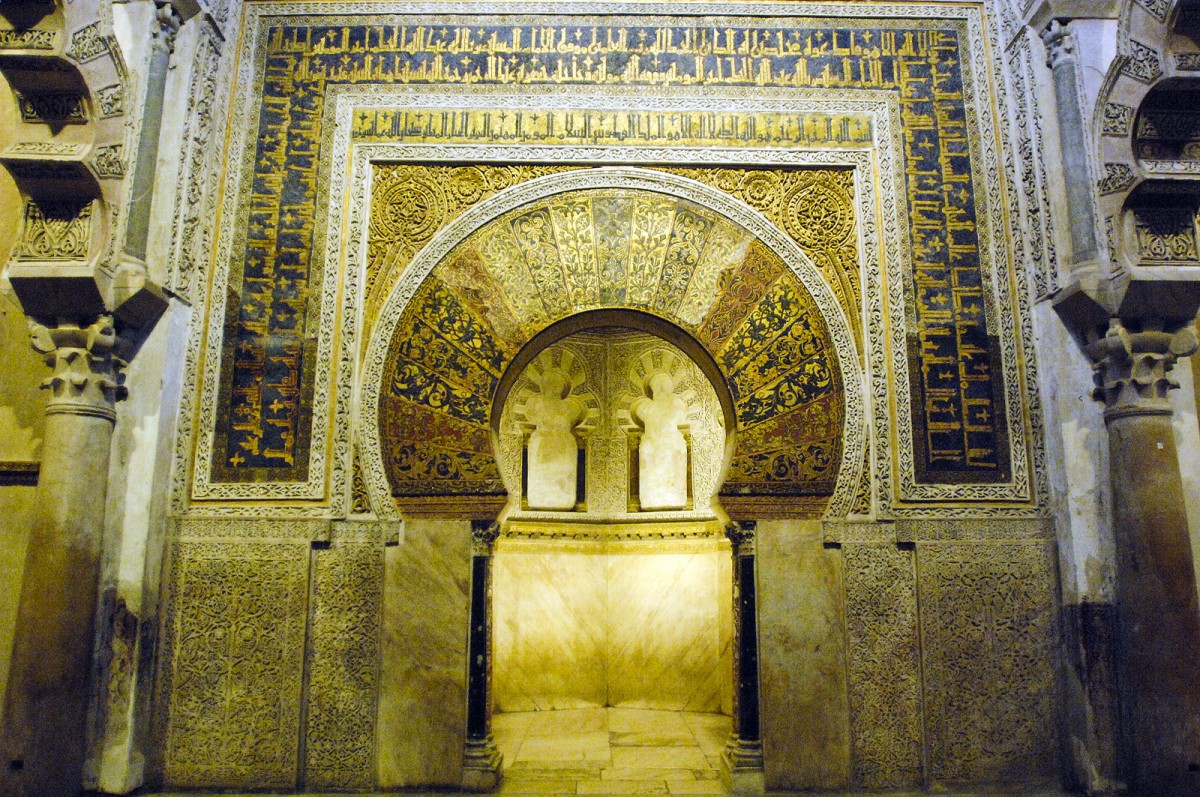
{"x":743,"y":754}
{"x":44,"y":734}
{"x":1072,"y":132}
{"x":133,"y":295}
{"x":481,"y":759}
{"x":1158,"y":618}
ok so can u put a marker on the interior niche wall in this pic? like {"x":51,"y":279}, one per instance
{"x":608,"y":604}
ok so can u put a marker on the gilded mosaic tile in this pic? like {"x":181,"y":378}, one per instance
{"x":739,"y":289}
{"x":411,"y":202}
{"x":813,"y":206}
{"x":459,"y":462}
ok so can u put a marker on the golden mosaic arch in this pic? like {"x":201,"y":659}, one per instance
{"x":528,"y":264}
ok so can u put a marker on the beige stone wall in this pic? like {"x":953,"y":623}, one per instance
{"x":16,"y":507}
{"x":22,"y":403}
{"x":640,"y":624}
{"x":21,"y":419}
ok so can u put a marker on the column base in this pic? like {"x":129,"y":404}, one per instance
{"x":481,"y":765}
{"x":743,"y":766}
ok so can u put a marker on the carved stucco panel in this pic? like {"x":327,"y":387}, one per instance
{"x":884,"y":676}
{"x":343,"y":665}
{"x":988,"y":636}
{"x":234,"y":668}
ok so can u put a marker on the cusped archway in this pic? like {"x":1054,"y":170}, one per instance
{"x":621,"y":239}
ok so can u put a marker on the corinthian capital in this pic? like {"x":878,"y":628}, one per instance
{"x":741,"y":536}
{"x":483,"y":538}
{"x":87,"y":378}
{"x":1060,"y":44}
{"x":167,"y":25}
{"x":1131,"y":368}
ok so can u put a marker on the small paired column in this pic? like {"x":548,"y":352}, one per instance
{"x":743,"y":753}
{"x":1158,"y":615}
{"x":44,"y":736}
{"x":1064,"y":64}
{"x":481,"y":759}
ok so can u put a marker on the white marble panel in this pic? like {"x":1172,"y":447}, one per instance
{"x":664,"y":638}
{"x":802,"y":659}
{"x":549,"y":630}
{"x":643,"y":625}
{"x":421,"y":726}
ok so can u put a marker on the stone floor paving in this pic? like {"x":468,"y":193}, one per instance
{"x":611,"y":751}
{"x":616,"y":751}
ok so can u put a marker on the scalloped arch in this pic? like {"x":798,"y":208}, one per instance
{"x":612,"y":238}
{"x":1145,"y":59}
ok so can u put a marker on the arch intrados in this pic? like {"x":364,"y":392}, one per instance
{"x":608,"y":318}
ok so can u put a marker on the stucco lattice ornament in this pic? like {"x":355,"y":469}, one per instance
{"x":87,"y":378}
{"x":1131,"y":368}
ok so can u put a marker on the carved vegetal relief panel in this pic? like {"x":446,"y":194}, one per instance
{"x":884,"y":666}
{"x":343,"y":665}
{"x":55,"y":231}
{"x":1166,"y":236}
{"x":989,"y":640}
{"x":235,"y":649}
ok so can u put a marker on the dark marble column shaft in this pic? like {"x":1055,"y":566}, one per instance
{"x":481,"y":759}
{"x":743,"y":753}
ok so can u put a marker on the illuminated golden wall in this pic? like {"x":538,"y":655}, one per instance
{"x":820,"y":200}
{"x":640,"y":624}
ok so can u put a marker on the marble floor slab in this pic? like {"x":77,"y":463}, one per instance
{"x":610,"y":751}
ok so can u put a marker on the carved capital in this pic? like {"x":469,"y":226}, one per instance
{"x":167,"y":22}
{"x":483,"y":536}
{"x":1131,"y":368}
{"x":1060,"y":44}
{"x":87,"y":378}
{"x":741,"y":535}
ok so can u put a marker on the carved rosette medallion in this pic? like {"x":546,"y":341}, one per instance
{"x":1131,"y":368}
{"x":87,"y":378}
